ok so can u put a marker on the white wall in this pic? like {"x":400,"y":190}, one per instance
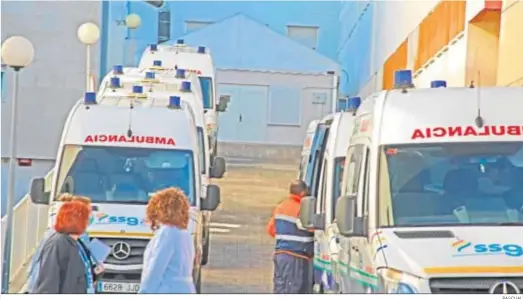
{"x":450,"y":66}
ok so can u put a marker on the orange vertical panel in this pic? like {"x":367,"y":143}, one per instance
{"x":397,"y":61}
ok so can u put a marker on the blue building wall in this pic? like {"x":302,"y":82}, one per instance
{"x":275,"y":15}
{"x":355,"y":45}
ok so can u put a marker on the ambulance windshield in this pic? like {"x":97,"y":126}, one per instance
{"x":124,"y":175}
{"x":207,"y":92}
{"x":451,"y":184}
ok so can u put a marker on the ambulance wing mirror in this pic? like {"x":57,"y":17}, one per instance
{"x":218,"y":168}
{"x":212,"y":199}
{"x":223,"y":103}
{"x":348,"y":224}
{"x":38,"y":194}
{"x":308,"y":217}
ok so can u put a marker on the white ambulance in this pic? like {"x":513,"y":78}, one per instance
{"x":119,"y":156}
{"x":306,"y":149}
{"x":157,"y":91}
{"x":432,"y":197}
{"x":199,"y":61}
{"x":324,"y":175}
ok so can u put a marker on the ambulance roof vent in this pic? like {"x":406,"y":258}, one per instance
{"x":118,"y":69}
{"x":115,"y":82}
{"x":180,"y":74}
{"x":174,"y":102}
{"x":438,"y":83}
{"x":157,"y":63}
{"x":403,"y":80}
{"x":153,"y":47}
{"x":353,"y":103}
{"x":90,"y":98}
{"x":149,"y":75}
{"x":186,"y":86}
{"x":179,"y":41}
{"x":201,"y":49}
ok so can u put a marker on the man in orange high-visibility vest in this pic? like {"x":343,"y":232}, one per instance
{"x":294,"y":246}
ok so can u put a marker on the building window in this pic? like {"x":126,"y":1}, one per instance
{"x":284,"y":106}
{"x":156,"y":4}
{"x":164,"y":26}
{"x":305,"y":35}
{"x":190,"y":26}
{"x":342,"y":105}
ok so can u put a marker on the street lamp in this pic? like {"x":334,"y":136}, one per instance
{"x":132,"y":22}
{"x":17,"y":53}
{"x":88,"y":33}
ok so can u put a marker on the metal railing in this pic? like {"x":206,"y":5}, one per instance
{"x":29,"y":224}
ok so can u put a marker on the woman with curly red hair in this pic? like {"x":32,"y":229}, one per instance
{"x":169,"y":256}
{"x":62,"y":268}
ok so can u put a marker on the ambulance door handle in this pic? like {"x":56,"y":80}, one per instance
{"x":240,"y":118}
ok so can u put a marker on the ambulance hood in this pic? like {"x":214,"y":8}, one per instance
{"x":446,"y":251}
{"x":122,"y":219}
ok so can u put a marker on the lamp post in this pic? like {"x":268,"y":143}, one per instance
{"x":132,"y":21}
{"x":17,"y":53}
{"x":88,"y":33}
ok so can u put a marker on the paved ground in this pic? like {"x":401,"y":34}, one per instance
{"x":241,"y":250}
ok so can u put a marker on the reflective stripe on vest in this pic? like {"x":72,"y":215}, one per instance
{"x":289,"y":237}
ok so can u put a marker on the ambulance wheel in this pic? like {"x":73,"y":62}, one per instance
{"x":198,"y":282}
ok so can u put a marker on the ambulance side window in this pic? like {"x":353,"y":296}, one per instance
{"x":366,"y":184}
{"x":323,"y":198}
{"x":354,"y":167}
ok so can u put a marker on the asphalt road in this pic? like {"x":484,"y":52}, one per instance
{"x":241,"y":251}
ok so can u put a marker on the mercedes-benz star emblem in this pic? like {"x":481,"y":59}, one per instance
{"x":121,"y":250}
{"x":504,"y":287}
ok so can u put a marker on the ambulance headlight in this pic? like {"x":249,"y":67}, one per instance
{"x":157,"y":63}
{"x":186,"y":86}
{"x":153,"y":47}
{"x":180,"y":73}
{"x":201,"y":49}
{"x":179,"y":42}
{"x":137,"y":89}
{"x":118,"y":69}
{"x":353,"y":103}
{"x":403,"y":79}
{"x":438,"y":83}
{"x":401,"y":282}
{"x":149,"y":75}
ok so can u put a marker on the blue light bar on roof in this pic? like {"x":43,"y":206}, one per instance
{"x":157,"y":63}
{"x":353,"y":103}
{"x":174,"y":102}
{"x":403,"y":79}
{"x":153,"y":47}
{"x":201,"y":49}
{"x":186,"y":86}
{"x":179,"y":42}
{"x":149,"y":75}
{"x":115,"y":82}
{"x":137,"y":89}
{"x":118,"y":69}
{"x":180,"y":73}
{"x":90,"y":98}
{"x":438,"y":83}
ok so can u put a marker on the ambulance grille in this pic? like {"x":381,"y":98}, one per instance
{"x":136,"y":255}
{"x":472,"y":285}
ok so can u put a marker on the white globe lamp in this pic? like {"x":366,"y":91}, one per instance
{"x":88,"y":33}
{"x":133,"y":21}
{"x":17,"y":52}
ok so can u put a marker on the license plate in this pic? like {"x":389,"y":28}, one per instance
{"x":117,"y":287}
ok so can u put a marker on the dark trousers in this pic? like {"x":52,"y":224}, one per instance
{"x":291,"y":274}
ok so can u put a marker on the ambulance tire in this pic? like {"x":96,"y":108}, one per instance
{"x":198,"y":282}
